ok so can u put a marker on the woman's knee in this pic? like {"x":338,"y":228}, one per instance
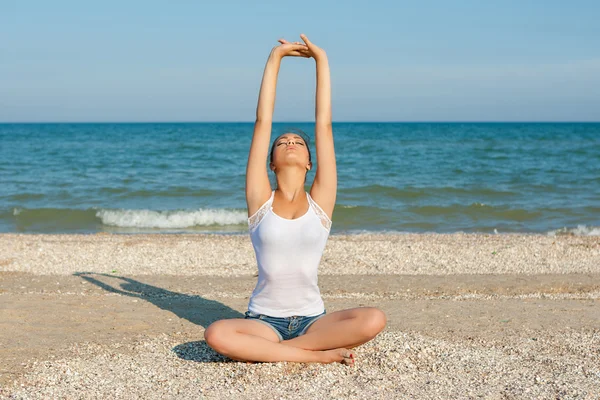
{"x":374,"y":321}
{"x":215,"y":334}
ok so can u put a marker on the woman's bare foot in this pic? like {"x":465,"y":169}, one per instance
{"x":342,"y":355}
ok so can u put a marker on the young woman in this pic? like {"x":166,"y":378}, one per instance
{"x":286,"y":318}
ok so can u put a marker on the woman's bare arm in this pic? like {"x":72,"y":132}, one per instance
{"x":258,"y":187}
{"x":324,"y":188}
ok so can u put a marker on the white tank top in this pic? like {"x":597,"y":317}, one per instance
{"x":288,"y":252}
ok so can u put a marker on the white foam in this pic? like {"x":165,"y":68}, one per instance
{"x":581,"y":230}
{"x":171,"y":219}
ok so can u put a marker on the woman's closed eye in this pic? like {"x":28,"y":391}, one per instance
{"x":283,"y":142}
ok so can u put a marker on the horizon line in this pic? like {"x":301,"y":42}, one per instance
{"x":303,"y":122}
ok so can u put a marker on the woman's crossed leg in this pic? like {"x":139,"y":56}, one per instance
{"x":326,"y":340}
{"x":345,"y":328}
{"x":247,"y":340}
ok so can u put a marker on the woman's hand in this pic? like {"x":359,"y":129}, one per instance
{"x":297,"y":49}
{"x":315,"y":51}
{"x":287,"y":49}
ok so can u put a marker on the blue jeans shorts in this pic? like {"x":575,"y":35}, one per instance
{"x":288,"y":327}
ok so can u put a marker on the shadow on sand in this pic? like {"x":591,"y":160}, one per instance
{"x":194,"y":308}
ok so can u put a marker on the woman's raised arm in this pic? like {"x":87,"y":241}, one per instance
{"x":324,"y":188}
{"x":258,"y":188}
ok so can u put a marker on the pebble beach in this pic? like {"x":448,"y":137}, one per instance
{"x":469,"y":316}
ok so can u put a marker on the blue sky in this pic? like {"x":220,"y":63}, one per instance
{"x":390,"y":60}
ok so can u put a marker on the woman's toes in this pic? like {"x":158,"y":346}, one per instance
{"x":348,"y":357}
{"x":348,"y":361}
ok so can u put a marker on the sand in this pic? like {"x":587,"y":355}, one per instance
{"x":469,"y":316}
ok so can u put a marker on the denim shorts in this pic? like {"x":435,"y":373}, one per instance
{"x":287,"y":327}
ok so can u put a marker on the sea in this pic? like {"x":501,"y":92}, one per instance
{"x":130,"y":178}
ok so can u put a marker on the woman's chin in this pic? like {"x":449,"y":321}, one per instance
{"x":293,"y":165}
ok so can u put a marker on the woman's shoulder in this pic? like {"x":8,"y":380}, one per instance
{"x":325,"y":220}
{"x":258,"y":215}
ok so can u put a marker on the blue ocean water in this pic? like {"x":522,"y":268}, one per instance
{"x":392,"y":177}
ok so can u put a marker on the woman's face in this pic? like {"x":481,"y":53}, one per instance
{"x":290,"y":149}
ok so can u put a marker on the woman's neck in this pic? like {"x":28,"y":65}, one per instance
{"x":291,"y":183}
